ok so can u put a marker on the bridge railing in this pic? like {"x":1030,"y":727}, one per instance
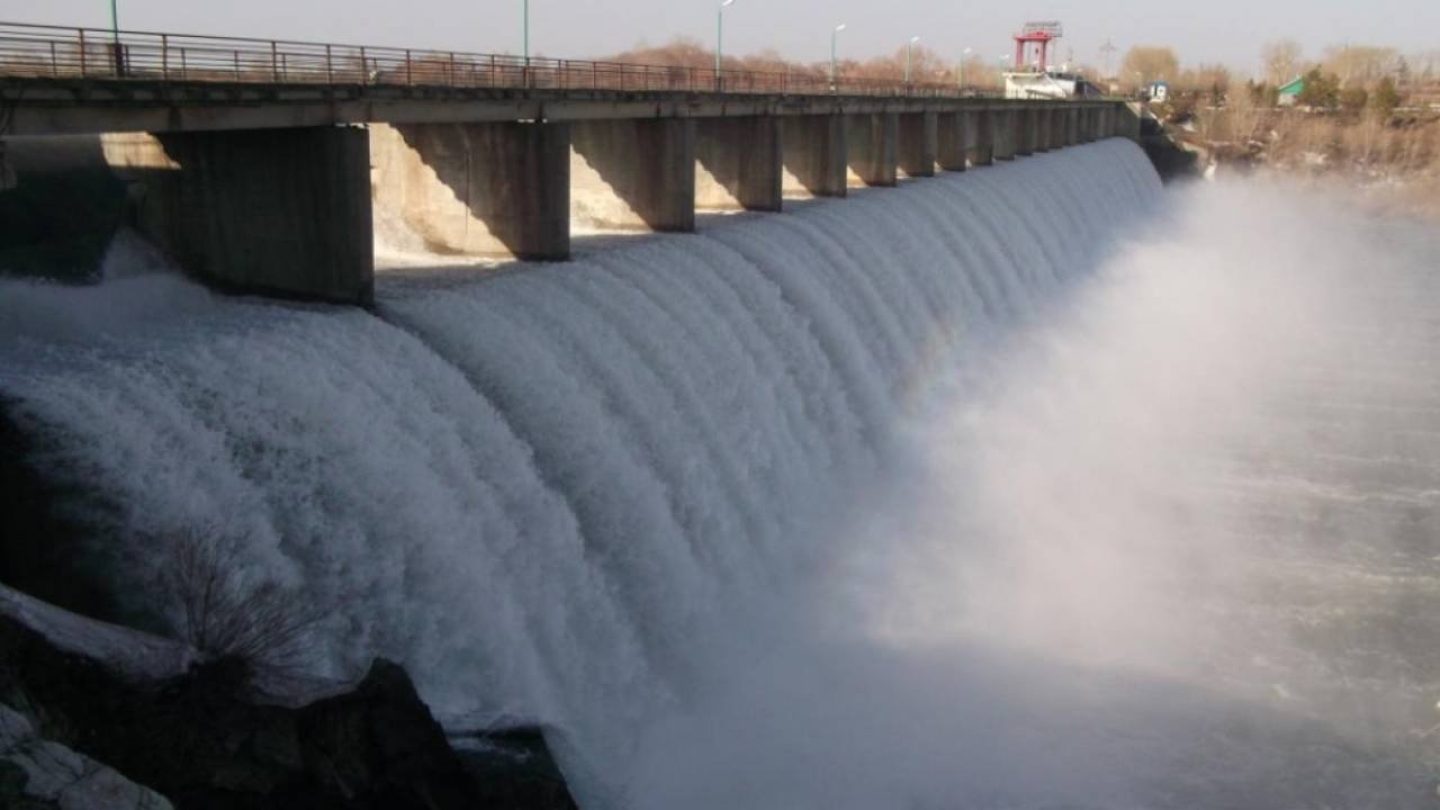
{"x":43,"y":51}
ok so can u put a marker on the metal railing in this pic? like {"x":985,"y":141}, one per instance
{"x":44,"y":51}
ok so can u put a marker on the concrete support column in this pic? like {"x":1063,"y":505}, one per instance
{"x":871,"y":141}
{"x":1002,"y":132}
{"x":1042,"y":129}
{"x":951,"y":136}
{"x":1072,"y":126}
{"x":1025,"y":129}
{"x":1058,"y":123}
{"x":738,"y":163}
{"x":488,"y":189}
{"x":282,"y":212}
{"x":979,"y":137}
{"x":814,"y":154}
{"x":1129,"y":121}
{"x":918,"y":143}
{"x":634,"y":173}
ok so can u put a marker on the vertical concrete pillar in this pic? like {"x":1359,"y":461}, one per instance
{"x":486,"y":189}
{"x":1072,"y":126}
{"x":634,"y":173}
{"x":979,"y":137}
{"x":918,"y":143}
{"x":1024,"y":129}
{"x":1042,"y":128}
{"x":814,"y":155}
{"x":952,"y":132}
{"x":1002,"y":132}
{"x":1130,"y":114}
{"x":282,"y":212}
{"x":1058,"y":138}
{"x":738,"y":163}
{"x":871,"y":140}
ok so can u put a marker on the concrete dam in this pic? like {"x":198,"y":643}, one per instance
{"x":1026,"y":486}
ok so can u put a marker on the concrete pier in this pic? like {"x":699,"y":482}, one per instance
{"x":814,"y":155}
{"x":952,"y":130}
{"x":491,"y":189}
{"x":918,"y":143}
{"x":979,"y":137}
{"x":1027,"y":130}
{"x":636,"y":173}
{"x":871,"y":140}
{"x":283,"y":212}
{"x":739,"y":163}
{"x":1003,"y":129}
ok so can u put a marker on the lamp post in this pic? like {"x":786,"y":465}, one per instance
{"x":719,"y":38}
{"x":525,"y":31}
{"x":909,"y":49}
{"x":834,"y":75}
{"x":115,"y":38}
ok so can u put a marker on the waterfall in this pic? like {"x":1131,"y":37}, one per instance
{"x":540,"y":489}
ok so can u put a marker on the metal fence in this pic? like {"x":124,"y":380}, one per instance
{"x":42,"y":51}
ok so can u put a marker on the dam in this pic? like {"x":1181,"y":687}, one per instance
{"x":1017,"y":487}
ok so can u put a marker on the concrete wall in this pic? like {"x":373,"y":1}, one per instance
{"x":918,"y":143}
{"x":739,"y":163}
{"x":814,"y":154}
{"x":492,"y":189}
{"x":1002,"y":133}
{"x":277,"y":211}
{"x":871,"y":140}
{"x":634,"y":173}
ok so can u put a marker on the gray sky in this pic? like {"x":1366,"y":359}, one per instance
{"x":1229,"y":31}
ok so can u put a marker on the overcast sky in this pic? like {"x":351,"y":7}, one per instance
{"x":1228,"y":31}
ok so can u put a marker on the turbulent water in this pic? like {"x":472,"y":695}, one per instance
{"x":1031,"y":487}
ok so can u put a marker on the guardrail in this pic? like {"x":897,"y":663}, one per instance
{"x":44,"y":51}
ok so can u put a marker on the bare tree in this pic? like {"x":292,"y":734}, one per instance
{"x":1282,"y":61}
{"x":1149,"y":63}
{"x":223,"y":616}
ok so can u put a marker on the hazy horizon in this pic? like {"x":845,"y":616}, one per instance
{"x":1226,"y":31}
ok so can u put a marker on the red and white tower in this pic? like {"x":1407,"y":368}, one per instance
{"x":1035,"y":38}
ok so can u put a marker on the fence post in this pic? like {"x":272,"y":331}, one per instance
{"x":83,"y":71}
{"x":184,"y":67}
{"x":165,"y":57}
{"x":407,"y":67}
{"x":54,"y":63}
{"x":274,"y":61}
{"x":450,"y":80}
{"x":329,"y":66}
{"x":236,"y":54}
{"x":364,"y":68}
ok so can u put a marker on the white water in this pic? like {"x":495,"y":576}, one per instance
{"x":883,"y":503}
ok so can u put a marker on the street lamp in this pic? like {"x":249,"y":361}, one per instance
{"x":115,"y":38}
{"x":909,"y":48}
{"x":719,"y":38}
{"x":834,"y":75}
{"x":525,"y":30}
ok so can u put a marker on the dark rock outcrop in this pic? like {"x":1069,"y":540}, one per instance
{"x":204,"y":739}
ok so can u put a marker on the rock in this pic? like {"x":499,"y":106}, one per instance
{"x":514,"y":768}
{"x":205,"y":739}
{"x":36,"y":773}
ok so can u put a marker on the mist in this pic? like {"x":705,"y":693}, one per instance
{"x":1170,"y":545}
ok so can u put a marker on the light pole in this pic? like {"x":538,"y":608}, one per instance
{"x":834,"y":75}
{"x":719,"y":38}
{"x":525,"y":31}
{"x":115,"y":37}
{"x":909,"y":49}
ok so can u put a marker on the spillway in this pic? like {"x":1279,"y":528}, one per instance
{"x":555,"y":492}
